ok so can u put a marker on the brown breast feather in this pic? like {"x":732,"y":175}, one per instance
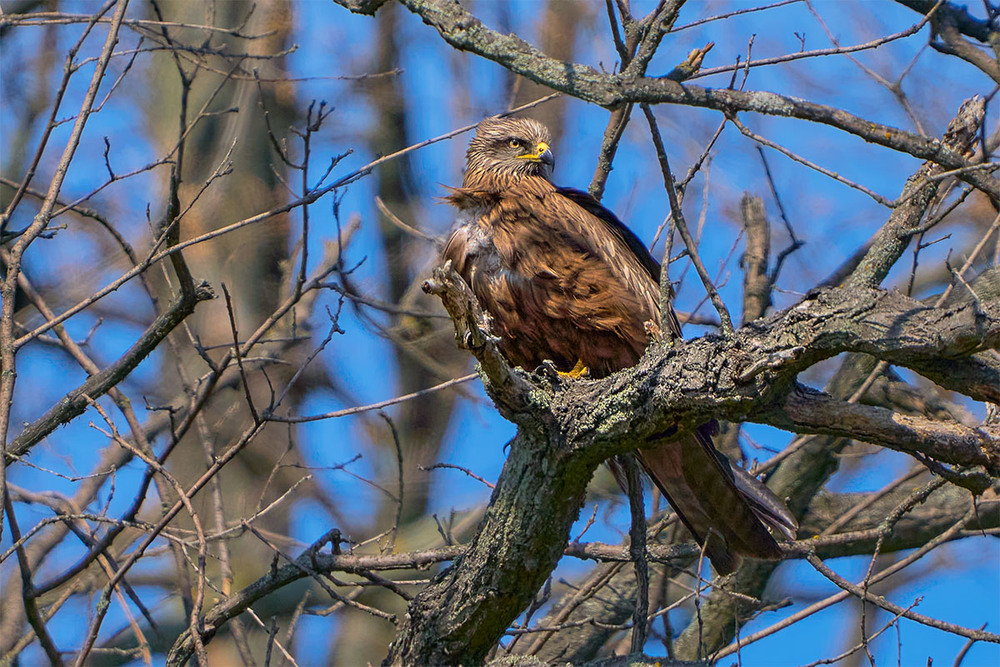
{"x":557,"y":283}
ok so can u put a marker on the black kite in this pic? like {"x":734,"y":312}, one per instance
{"x":564,"y":280}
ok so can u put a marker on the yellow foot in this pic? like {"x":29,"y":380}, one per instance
{"x":578,"y":371}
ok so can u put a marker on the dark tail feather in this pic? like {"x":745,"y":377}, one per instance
{"x":767,"y":506}
{"x":715,"y":547}
{"x":725,"y":509}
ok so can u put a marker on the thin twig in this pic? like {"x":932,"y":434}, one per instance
{"x":682,"y":228}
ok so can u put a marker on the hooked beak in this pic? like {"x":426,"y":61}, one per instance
{"x":545,"y":155}
{"x":542,"y":154}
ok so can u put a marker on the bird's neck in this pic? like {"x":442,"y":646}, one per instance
{"x":499,"y":182}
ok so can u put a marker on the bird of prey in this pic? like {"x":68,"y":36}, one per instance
{"x":568,"y":284}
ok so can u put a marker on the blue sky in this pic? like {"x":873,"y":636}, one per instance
{"x":832,"y":218}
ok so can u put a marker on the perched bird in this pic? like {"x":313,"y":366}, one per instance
{"x":567,"y":283}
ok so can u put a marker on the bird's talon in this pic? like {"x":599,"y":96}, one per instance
{"x":579,"y":371}
{"x":547,"y":369}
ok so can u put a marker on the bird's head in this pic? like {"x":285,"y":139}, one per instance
{"x":505,"y":150}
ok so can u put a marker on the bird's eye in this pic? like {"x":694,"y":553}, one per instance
{"x":514,"y":143}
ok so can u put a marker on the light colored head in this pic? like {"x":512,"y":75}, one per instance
{"x":505,"y":150}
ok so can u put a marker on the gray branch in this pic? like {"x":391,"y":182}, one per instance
{"x":465,"y":32}
{"x":568,"y":428}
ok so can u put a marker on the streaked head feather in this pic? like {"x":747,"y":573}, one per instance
{"x":495,"y":158}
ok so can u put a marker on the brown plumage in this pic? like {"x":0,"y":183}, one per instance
{"x":564,"y":280}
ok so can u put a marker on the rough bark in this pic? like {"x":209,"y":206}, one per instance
{"x":565,"y":431}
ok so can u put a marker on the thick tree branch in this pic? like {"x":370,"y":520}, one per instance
{"x":918,"y":193}
{"x":756,"y":282}
{"x":465,"y":32}
{"x":743,"y":379}
{"x":568,"y":428}
{"x":509,"y":388}
{"x":808,"y":411}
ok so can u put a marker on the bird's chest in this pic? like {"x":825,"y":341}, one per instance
{"x":484,"y":259}
{"x":551,"y":296}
